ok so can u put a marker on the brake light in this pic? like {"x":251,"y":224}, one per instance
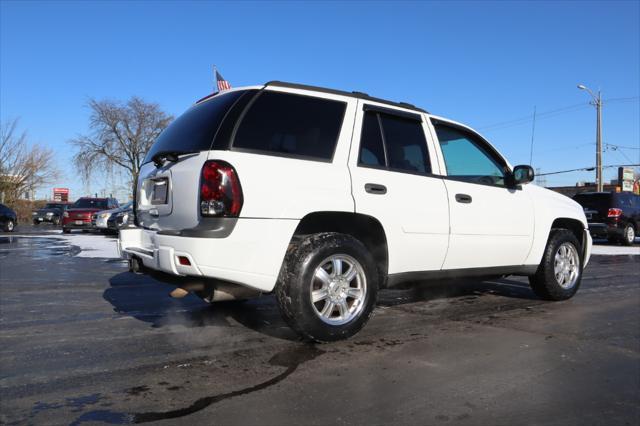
{"x":220,"y":190}
{"x":65,"y":214}
{"x":614,"y":213}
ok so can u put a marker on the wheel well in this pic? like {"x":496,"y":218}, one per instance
{"x":573,"y":225}
{"x":366,"y":229}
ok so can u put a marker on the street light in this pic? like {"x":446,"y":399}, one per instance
{"x":597,"y":101}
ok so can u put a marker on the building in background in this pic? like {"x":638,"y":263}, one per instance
{"x":628,"y":181}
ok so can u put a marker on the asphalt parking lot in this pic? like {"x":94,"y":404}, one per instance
{"x":84,"y":341}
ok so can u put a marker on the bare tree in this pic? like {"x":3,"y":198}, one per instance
{"x":23,"y":168}
{"x":121,"y":135}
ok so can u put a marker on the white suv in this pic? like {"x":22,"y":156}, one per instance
{"x":324,"y":197}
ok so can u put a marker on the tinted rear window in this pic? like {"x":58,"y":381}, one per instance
{"x":291,"y":125}
{"x":194,"y":130}
{"x":371,"y":145}
{"x":88,"y":203}
{"x":405,"y":143}
{"x":593,"y":200}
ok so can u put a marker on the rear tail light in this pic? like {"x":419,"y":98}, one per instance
{"x":65,"y":214}
{"x":220,"y":190}
{"x":614,"y":213}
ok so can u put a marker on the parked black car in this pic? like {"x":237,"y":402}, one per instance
{"x":51,"y":212}
{"x":121,"y":217}
{"x":8,"y":218}
{"x":612,"y":215}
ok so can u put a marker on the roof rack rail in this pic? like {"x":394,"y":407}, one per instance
{"x":354,"y":94}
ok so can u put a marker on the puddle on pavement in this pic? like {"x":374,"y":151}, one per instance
{"x":290,"y":359}
{"x":36,"y":247}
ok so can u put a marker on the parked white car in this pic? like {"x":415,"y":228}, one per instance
{"x":324,"y":196}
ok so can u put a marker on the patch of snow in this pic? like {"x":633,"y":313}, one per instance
{"x":611,"y":250}
{"x":92,"y":245}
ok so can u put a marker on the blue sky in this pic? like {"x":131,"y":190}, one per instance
{"x":481,"y":63}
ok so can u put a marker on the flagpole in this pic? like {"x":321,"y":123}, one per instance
{"x":215,"y":85}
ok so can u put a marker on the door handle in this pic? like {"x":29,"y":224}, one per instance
{"x":463,"y":198}
{"x":374,"y":188}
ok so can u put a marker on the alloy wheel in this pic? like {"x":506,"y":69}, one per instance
{"x":567,"y":265}
{"x":338,"y":289}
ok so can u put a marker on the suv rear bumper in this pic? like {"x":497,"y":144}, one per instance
{"x":251,"y":255}
{"x":606,"y":230}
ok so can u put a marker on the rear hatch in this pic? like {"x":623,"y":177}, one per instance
{"x":596,"y":205}
{"x":168,"y":189}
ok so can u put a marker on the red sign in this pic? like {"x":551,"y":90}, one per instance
{"x":61,"y":194}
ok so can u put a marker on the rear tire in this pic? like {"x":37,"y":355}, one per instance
{"x":66,"y":231}
{"x":36,"y":222}
{"x":340,"y":274}
{"x":9,"y":226}
{"x":559,"y":275}
{"x":629,"y":235}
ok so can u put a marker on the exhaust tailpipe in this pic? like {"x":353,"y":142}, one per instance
{"x":135,"y":265}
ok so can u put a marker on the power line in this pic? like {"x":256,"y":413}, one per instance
{"x":564,"y":148}
{"x":621,"y":146}
{"x":628,"y":99}
{"x":548,"y":114}
{"x":588,"y":169}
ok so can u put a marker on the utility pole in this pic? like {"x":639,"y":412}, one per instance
{"x":599,"y":181}
{"x":597,"y":101}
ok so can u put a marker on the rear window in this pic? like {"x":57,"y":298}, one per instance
{"x":53,"y":206}
{"x":194,"y":130}
{"x":404,"y":143}
{"x":89,"y":203}
{"x":291,"y":125}
{"x":593,"y":200}
{"x":625,"y":200}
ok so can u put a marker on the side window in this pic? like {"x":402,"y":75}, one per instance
{"x":371,"y":148}
{"x":291,"y":125}
{"x":467,"y":159}
{"x":401,"y":146}
{"x":624,"y":200}
{"x":405,"y":143}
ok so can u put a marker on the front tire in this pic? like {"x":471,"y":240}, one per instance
{"x":559,"y":275}
{"x":66,"y":231}
{"x":328,"y":286}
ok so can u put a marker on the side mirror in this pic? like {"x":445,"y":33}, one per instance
{"x":522,"y":174}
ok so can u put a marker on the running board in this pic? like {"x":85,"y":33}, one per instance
{"x":497,"y":271}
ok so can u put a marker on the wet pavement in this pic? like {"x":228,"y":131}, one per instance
{"x":82,"y":341}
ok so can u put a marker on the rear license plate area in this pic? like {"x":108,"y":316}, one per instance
{"x":79,"y":222}
{"x":160,"y":191}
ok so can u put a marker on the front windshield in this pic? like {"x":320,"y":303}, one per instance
{"x":90,"y":203}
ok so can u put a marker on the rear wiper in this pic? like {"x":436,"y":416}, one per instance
{"x":163,"y":156}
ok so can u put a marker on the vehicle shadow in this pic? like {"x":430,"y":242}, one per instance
{"x":148,"y":300}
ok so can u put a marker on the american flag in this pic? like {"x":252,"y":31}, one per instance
{"x":222,"y":83}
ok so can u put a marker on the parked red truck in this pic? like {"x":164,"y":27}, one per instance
{"x":78,"y":216}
